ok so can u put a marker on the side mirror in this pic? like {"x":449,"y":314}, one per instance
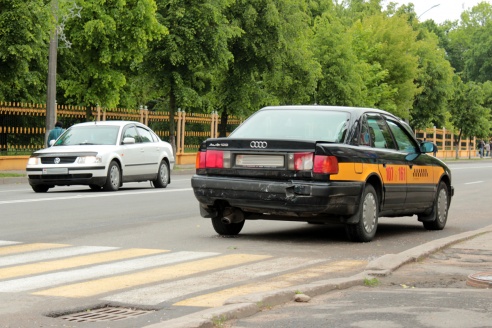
{"x":426,"y":147}
{"x":128,"y":140}
{"x":52,"y":142}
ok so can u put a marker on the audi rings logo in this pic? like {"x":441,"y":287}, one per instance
{"x":57,"y":160}
{"x":258,"y":144}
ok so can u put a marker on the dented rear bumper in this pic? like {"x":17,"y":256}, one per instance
{"x":298,"y":198}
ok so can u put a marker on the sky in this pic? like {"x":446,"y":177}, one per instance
{"x":444,"y":10}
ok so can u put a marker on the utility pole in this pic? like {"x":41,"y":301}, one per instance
{"x":52,"y":58}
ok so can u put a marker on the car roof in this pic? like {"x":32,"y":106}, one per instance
{"x":357,"y":110}
{"x":111,"y":123}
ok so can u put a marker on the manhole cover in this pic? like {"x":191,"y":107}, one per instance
{"x":480,"y":279}
{"x":104,"y":314}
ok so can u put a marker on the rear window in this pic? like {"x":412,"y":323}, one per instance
{"x":296,"y":124}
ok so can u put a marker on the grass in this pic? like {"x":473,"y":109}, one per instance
{"x":371,"y":282}
{"x":11,"y":175}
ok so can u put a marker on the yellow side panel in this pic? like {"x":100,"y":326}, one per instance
{"x":393,"y":174}
{"x":421,"y":174}
{"x":347,"y":172}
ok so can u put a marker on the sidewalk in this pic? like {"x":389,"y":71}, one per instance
{"x":462,"y":261}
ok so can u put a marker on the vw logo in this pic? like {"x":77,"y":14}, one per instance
{"x":57,"y":160}
{"x":258,"y":144}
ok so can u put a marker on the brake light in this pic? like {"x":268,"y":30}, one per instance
{"x":325,"y":164}
{"x":213,"y":159}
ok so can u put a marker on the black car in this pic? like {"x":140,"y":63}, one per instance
{"x":321,"y":164}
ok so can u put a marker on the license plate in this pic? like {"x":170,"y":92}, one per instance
{"x":56,"y":170}
{"x":274,"y":161}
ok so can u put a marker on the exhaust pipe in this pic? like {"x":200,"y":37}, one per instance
{"x":232,"y":215}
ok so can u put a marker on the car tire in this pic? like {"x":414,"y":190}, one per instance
{"x":162,"y":178}
{"x":230,"y":229}
{"x":95,"y":187}
{"x":113,"y":180}
{"x":439,"y":209}
{"x":365,"y":229}
{"x":40,"y":188}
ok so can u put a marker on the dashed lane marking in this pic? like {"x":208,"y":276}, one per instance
{"x":94,"y":195}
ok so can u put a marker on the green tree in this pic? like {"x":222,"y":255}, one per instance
{"x":336,"y":50}
{"x":296,"y":71}
{"x":24,"y":37}
{"x":387,"y":46}
{"x":467,"y":112}
{"x":109,"y":39}
{"x":273,"y":63}
{"x":196,"y":46}
{"x":468,"y":45}
{"x":434,"y":81}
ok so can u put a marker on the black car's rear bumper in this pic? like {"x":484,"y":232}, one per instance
{"x":300,"y":198}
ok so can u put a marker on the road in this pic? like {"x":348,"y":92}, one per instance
{"x":73,"y":249}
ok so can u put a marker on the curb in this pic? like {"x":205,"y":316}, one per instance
{"x":247,"y":305}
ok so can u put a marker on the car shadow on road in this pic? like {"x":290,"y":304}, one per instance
{"x":332,"y":232}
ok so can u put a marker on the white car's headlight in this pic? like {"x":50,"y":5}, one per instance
{"x":34,"y":161}
{"x":89,"y":160}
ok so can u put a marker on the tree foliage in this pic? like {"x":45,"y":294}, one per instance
{"x":235,"y":56}
{"x":108,"y":40}
{"x":468,"y":114}
{"x":24,"y":36}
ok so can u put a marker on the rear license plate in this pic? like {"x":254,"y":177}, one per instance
{"x":274,"y":161}
{"x":56,"y":170}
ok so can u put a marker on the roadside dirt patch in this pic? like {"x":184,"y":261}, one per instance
{"x":449,"y":268}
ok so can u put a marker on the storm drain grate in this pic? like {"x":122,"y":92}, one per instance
{"x":104,"y":314}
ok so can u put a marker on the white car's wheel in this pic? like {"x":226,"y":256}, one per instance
{"x":162,"y":176}
{"x":113,"y":178}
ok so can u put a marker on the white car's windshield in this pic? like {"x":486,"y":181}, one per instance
{"x":319,"y":125}
{"x":89,"y":135}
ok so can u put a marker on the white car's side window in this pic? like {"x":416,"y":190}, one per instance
{"x":144,"y":135}
{"x":131,"y":132}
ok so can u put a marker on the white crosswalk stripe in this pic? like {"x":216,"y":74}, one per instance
{"x":51,"y":254}
{"x":57,"y":278}
{"x":6,"y":242}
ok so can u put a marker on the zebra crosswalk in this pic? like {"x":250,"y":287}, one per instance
{"x":148,"y":277}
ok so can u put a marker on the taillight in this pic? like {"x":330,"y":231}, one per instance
{"x":325,"y":164}
{"x":213,"y":159}
{"x":200,"y":160}
{"x":303,"y":161}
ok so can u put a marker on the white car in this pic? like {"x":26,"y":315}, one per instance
{"x":102,"y":155}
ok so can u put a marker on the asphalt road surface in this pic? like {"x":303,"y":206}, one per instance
{"x":73,"y":250}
